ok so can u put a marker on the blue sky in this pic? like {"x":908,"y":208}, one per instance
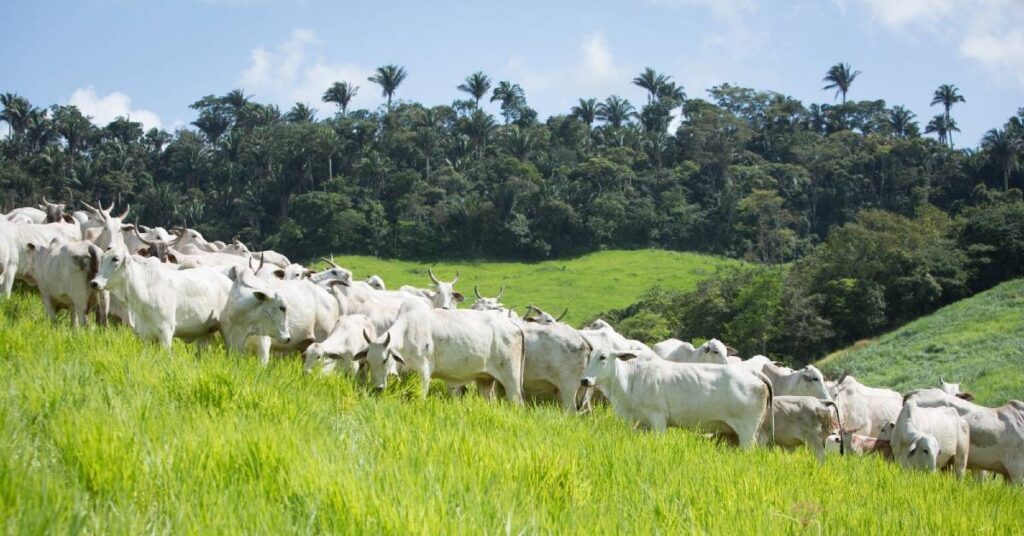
{"x":151,"y":59}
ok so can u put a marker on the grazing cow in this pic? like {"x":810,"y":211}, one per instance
{"x":62,"y":273}
{"x":376,"y":282}
{"x":996,"y":434}
{"x":865,"y":409}
{"x":345,"y":342}
{"x":443,"y":295}
{"x":801,"y":420}
{"x":484,"y":303}
{"x":455,"y":346}
{"x":162,"y":302}
{"x":712,"y":351}
{"x":312,"y":312}
{"x":253,"y":315}
{"x":556,"y":356}
{"x":653,"y":393}
{"x":930,"y":439}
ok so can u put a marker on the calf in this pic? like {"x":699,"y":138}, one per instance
{"x":929,"y":439}
{"x":801,"y":420}
{"x":253,"y":315}
{"x":349,"y":338}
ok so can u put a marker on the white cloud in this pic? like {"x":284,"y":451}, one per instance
{"x":987,"y":32}
{"x":103,"y":110}
{"x":294,"y":71}
{"x":722,"y":9}
{"x":596,"y":65}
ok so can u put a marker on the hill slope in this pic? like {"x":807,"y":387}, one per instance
{"x":586,"y":285}
{"x":100,"y":433}
{"x":978,"y":341}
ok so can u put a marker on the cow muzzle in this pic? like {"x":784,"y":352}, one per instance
{"x":379,"y":389}
{"x":96,"y":284}
{"x":587,"y":382}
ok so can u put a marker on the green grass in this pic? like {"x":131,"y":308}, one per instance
{"x":587,"y":285}
{"x":102,"y":434}
{"x":978,"y":341}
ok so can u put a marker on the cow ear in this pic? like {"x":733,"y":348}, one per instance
{"x":398,"y":357}
{"x":233,"y":273}
{"x":458,"y":296}
{"x":145,"y":252}
{"x":626,"y":356}
{"x":127,"y":227}
{"x":361,"y":356}
{"x":965,"y":396}
{"x":279,"y":274}
{"x":172,"y":257}
{"x":68,"y":219}
{"x":261,"y":296}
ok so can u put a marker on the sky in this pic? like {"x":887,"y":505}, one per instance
{"x":150,"y":59}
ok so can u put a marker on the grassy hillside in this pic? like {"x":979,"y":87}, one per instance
{"x":100,"y":433}
{"x":586,"y":285}
{"x":978,"y":341}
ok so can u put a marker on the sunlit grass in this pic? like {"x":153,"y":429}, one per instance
{"x":103,"y":434}
{"x":978,"y":342}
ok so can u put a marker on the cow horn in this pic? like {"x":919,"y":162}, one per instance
{"x":91,"y":208}
{"x":45,"y":202}
{"x":477,"y":292}
{"x":111,"y":207}
{"x":458,"y":273}
{"x":560,"y":317}
{"x":250,"y":262}
{"x":387,"y":339}
{"x":127,"y":209}
{"x":234,"y":239}
{"x":140,"y":237}
{"x":261,"y":262}
{"x":366,"y":336}
{"x":329,"y":261}
{"x":500,"y":293}
{"x":430,"y":272}
{"x":942,"y":379}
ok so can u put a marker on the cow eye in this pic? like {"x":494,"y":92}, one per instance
{"x":284,"y":309}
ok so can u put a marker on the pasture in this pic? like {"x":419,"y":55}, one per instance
{"x":105,"y":434}
{"x":978,"y":341}
{"x":587,"y":285}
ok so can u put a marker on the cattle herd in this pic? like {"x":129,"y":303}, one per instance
{"x":165,"y":284}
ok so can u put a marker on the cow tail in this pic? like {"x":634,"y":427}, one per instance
{"x":771,"y":397}
{"x":839,"y":421}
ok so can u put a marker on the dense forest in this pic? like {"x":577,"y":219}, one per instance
{"x":862,"y":217}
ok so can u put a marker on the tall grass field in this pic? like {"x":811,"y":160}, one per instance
{"x":586,"y":285}
{"x":978,"y":341}
{"x":103,"y":434}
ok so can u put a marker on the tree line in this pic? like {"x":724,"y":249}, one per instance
{"x":744,"y":173}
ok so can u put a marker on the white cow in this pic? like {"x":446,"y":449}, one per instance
{"x":930,"y":439}
{"x":312,"y":312}
{"x":653,"y":393}
{"x":808,"y":381}
{"x":954,"y":389}
{"x":104,"y":229}
{"x":455,"y":346}
{"x":376,"y":282}
{"x":712,"y":351}
{"x":534,"y":314}
{"x":346,"y":341}
{"x":599,"y":323}
{"x":18,"y":236}
{"x":27,"y":215}
{"x":62,"y":273}
{"x":997,"y":434}
{"x":237,"y":247}
{"x":162,"y":302}
{"x":253,"y":315}
{"x":668,"y":346}
{"x":801,"y":420}
{"x":443,"y":294}
{"x":192,"y":242}
{"x":865,"y":409}
{"x":556,"y":356}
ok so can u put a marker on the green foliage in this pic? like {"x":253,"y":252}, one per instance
{"x":978,"y":341}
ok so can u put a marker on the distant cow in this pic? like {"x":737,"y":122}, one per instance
{"x":930,"y":439}
{"x":443,"y":294}
{"x":341,"y":347}
{"x":865,"y":409}
{"x":800,"y":420}
{"x":653,"y":393}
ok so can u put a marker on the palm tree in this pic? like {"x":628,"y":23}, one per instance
{"x":901,"y":121}
{"x":427,"y":125}
{"x":615,"y":110}
{"x":388,"y":77}
{"x":942,"y":127}
{"x":652,"y":81}
{"x":947,"y":95}
{"x":1002,"y":149}
{"x":511,"y":96}
{"x":840,"y":77}
{"x":15,"y":113}
{"x":479,"y":128}
{"x":586,"y":111}
{"x":301,"y":113}
{"x":669,"y":90}
{"x":341,"y":93}
{"x":477,"y":85}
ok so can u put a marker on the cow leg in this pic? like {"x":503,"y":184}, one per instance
{"x":655,"y":422}
{"x":81,"y":317}
{"x":1015,"y":470}
{"x":8,"y":280}
{"x":263,"y":350}
{"x":567,"y":395}
{"x":486,"y":387}
{"x":746,"y":433}
{"x":51,"y":308}
{"x":817,"y":445}
{"x":166,"y":337}
{"x":425,"y":380}
{"x":102,"y":307}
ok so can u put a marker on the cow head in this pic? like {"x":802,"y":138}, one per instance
{"x":534,"y":314}
{"x":111,"y":268}
{"x":923,"y":453}
{"x":600,"y":323}
{"x":111,"y":227}
{"x":484,"y":303}
{"x":886,"y":431}
{"x":811,"y":383}
{"x":714,"y":347}
{"x":601,"y":369}
{"x":263,"y":311}
{"x":954,"y":389}
{"x":237,"y":247}
{"x":379,"y":355}
{"x":376,"y":282}
{"x":335,"y":273}
{"x":445,"y":295}
{"x":159,"y":249}
{"x":54,"y":211}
